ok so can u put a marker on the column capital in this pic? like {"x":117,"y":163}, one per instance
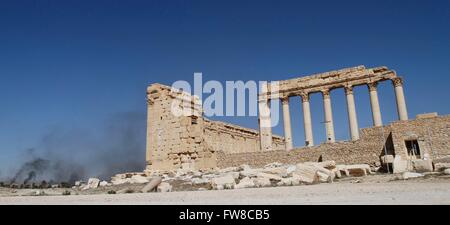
{"x":372,"y":86}
{"x":304,"y":96}
{"x":285,"y":100}
{"x":326,"y":93}
{"x":398,"y":81}
{"x":348,"y":90}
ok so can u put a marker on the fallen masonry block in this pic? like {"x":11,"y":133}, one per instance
{"x":138,"y":179}
{"x":198,"y":181}
{"x":324,"y":177}
{"x":421,"y":165}
{"x":154,"y":182}
{"x":399,"y":165}
{"x":441,"y":166}
{"x":409,"y":175}
{"x":280,"y":171}
{"x":356,"y":170}
{"x":246,"y":182}
{"x":270,"y":176}
{"x":249,"y":172}
{"x":164,"y":187}
{"x":306,"y":173}
{"x":262,"y":182}
{"x":445,"y":159}
{"x":92,"y":183}
{"x":290,"y":181}
{"x":224,"y":182}
{"x":325,"y":164}
{"x":235,"y":175}
{"x":447,"y":171}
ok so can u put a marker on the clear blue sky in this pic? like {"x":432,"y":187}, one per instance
{"x":68,"y":66}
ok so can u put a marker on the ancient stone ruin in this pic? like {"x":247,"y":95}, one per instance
{"x":190,"y":141}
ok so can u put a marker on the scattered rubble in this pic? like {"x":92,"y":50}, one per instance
{"x":244,"y":176}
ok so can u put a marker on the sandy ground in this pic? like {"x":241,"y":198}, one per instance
{"x":375,"y":191}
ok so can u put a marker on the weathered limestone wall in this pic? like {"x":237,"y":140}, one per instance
{"x":178,"y":137}
{"x":230,"y":138}
{"x":432,"y":135}
{"x":175,"y":140}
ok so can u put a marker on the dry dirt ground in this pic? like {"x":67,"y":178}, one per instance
{"x":377,"y":189}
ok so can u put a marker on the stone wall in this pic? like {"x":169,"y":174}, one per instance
{"x":179,"y":137}
{"x":229,"y":138}
{"x":175,"y":131}
{"x":432,"y":135}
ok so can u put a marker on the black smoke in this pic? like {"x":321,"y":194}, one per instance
{"x":68,"y":155}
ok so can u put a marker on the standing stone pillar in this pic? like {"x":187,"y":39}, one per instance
{"x":328,"y":116}
{"x":287,"y":124}
{"x":400,"y":97}
{"x":265,"y":125}
{"x":309,"y":140}
{"x":376,"y":113}
{"x":353,"y":121}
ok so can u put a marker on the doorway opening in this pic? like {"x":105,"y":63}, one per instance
{"x":412,"y":146}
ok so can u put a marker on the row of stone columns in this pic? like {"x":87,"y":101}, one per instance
{"x":265,"y":123}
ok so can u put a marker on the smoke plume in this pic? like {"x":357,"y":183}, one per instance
{"x":70,"y":155}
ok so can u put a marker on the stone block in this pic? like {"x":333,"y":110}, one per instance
{"x":164,"y":187}
{"x":151,"y":186}
{"x":447,"y":171}
{"x":92,"y":183}
{"x":441,"y":166}
{"x":399,"y":165}
{"x":409,"y":175}
{"x":262,"y":182}
{"x":246,"y":182}
{"x":224,"y":182}
{"x":269,"y":176}
{"x":421,"y":166}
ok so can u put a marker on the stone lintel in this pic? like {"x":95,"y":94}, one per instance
{"x":355,"y":76}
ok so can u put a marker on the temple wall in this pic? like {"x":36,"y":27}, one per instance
{"x":229,"y":138}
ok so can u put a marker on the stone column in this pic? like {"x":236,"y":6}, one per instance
{"x":376,"y":113}
{"x":265,"y":126}
{"x":287,"y":124}
{"x":352,"y":119}
{"x":328,"y":116}
{"x":400,"y":97}
{"x":309,"y":140}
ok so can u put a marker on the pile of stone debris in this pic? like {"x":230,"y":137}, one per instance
{"x":244,"y":176}
{"x":273,"y":174}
